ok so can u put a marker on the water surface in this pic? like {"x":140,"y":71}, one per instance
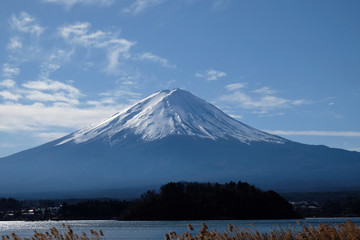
{"x":152,"y":229}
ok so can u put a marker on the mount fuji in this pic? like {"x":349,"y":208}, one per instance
{"x":173,"y":135}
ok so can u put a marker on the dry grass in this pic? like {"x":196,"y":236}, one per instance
{"x":345,"y":231}
{"x":55,"y":234}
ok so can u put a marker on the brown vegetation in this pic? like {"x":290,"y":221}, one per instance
{"x":345,"y":231}
{"x":55,"y":234}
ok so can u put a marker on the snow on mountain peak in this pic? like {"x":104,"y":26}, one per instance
{"x":170,"y":112}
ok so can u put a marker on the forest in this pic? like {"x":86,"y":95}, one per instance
{"x":173,"y":201}
{"x":185,"y":201}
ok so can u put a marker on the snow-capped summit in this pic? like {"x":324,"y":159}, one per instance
{"x":170,"y":112}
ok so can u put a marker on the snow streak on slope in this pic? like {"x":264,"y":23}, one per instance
{"x":170,"y":112}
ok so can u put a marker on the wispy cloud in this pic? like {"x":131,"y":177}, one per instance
{"x":79,"y":34}
{"x":48,"y":136}
{"x":10,"y":71}
{"x":236,"y":116}
{"x":8,"y":83}
{"x":211,"y":75}
{"x":235,"y":86}
{"x":46,"y":69}
{"x":316,"y":133}
{"x":113,"y":61}
{"x":260,"y":100}
{"x":39,"y":96}
{"x":9,"y":95}
{"x":51,"y":91}
{"x":69,"y":3}
{"x":41,"y":90}
{"x":124,"y":95}
{"x":77,"y":30}
{"x":141,"y":5}
{"x":60,"y":55}
{"x":265,"y":91}
{"x":39,"y":117}
{"x":148,"y":56}
{"x":50,"y":85}
{"x":26,"y":23}
{"x":247,"y":101}
{"x":14,"y":44}
{"x":7,"y":145}
{"x":54,"y":105}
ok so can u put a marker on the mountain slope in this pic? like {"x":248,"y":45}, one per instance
{"x":175,"y":112}
{"x":175,"y":136}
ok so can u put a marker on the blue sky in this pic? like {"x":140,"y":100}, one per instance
{"x":287,"y":67}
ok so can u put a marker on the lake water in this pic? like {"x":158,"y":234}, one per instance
{"x":151,"y":229}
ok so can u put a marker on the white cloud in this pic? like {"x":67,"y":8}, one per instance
{"x":115,"y":53}
{"x":300,"y":102}
{"x":260,"y":104}
{"x":38,"y":117}
{"x":235,"y":86}
{"x":264,"y":104}
{"x":141,"y":5}
{"x":61,"y":55}
{"x":50,"y":85}
{"x":44,"y":90}
{"x":113,"y":59}
{"x":199,"y":75}
{"x":69,"y":3}
{"x":51,"y":91}
{"x":9,"y":96}
{"x":214,"y":75}
{"x":51,"y":97}
{"x":7,"y":145}
{"x":76,"y":29}
{"x":127,"y":93}
{"x":14,"y":43}
{"x":236,"y":116}
{"x":265,"y":91}
{"x":49,"y":136}
{"x":79,"y":34}
{"x":120,"y":95}
{"x":154,"y":58}
{"x":26,"y":23}
{"x":10,"y":71}
{"x":130,"y":79}
{"x":123,"y":95}
{"x":316,"y":133}
{"x":211,"y":75}
{"x":8,"y":83}
{"x":101,"y":102}
{"x":46,"y":69}
{"x":247,"y":102}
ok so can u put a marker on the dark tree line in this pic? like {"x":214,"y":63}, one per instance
{"x":9,"y":204}
{"x":187,"y":201}
{"x":174,"y":201}
{"x":93,"y":209}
